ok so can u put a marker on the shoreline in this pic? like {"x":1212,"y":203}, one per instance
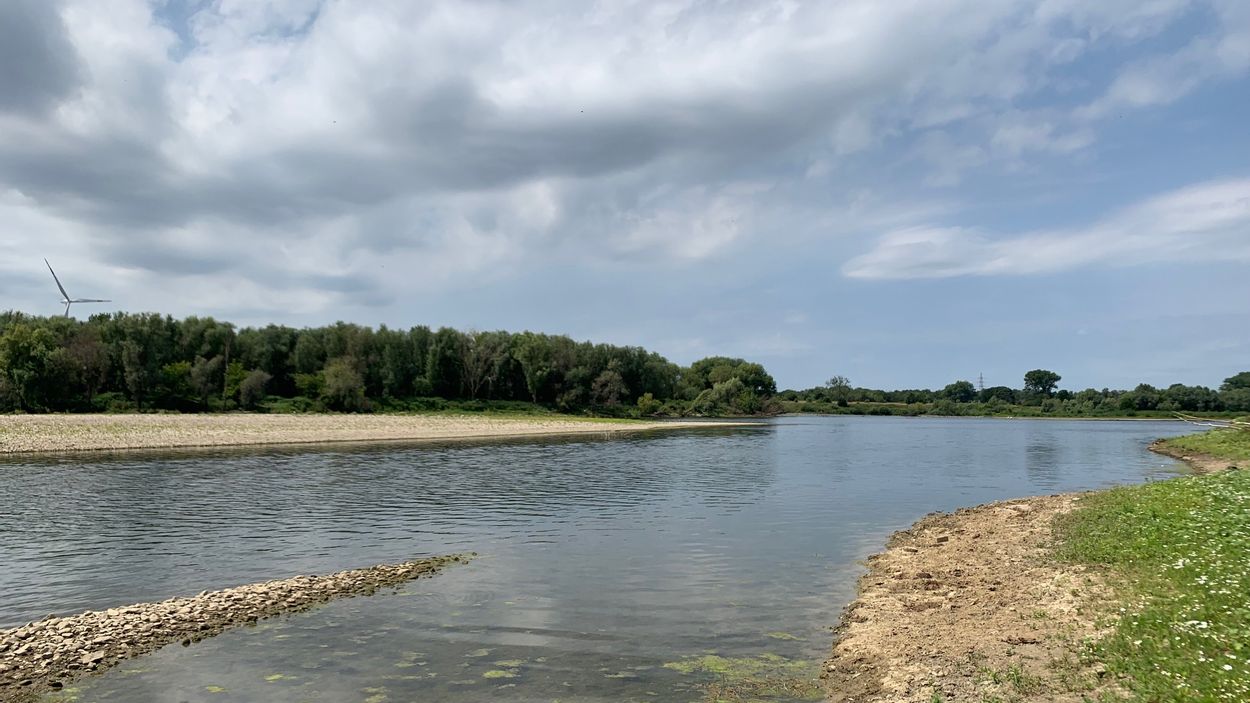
{"x":48,"y":654}
{"x":42,"y":434}
{"x":972,"y":605}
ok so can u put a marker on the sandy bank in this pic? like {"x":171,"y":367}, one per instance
{"x":62,"y":433}
{"x":969,"y":606}
{"x":48,"y":654}
{"x":972,"y":606}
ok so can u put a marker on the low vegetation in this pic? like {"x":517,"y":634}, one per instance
{"x":1178,"y":554}
{"x":1040,"y":396}
{"x":1231,"y":444}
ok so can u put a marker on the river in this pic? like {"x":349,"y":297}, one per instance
{"x":610,"y":570}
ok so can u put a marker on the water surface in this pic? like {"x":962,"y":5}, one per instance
{"x":602,"y":560}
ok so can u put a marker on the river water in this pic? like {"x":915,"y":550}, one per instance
{"x":610,"y":569}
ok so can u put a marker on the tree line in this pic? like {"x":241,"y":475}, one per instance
{"x":1039,"y":394}
{"x":119,"y":362}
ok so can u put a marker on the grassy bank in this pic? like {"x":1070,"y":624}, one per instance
{"x":1225,"y":444}
{"x":1177,"y":554}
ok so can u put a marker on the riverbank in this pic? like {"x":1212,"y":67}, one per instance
{"x":969,"y":606}
{"x":50,"y":653}
{"x":70,"y":433}
{"x":1022,"y":600}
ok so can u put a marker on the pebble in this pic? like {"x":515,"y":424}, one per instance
{"x":47,"y":654}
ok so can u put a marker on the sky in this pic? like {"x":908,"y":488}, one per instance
{"x":905,"y":193}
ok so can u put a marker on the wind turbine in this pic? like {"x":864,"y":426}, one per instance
{"x":65,"y":296}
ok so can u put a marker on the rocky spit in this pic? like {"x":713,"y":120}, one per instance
{"x":50,"y":653}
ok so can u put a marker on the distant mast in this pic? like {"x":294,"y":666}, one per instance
{"x":981,"y":382}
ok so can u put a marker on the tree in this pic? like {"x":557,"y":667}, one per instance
{"x":1241,"y":380}
{"x":252,"y":389}
{"x":609,"y":387}
{"x":960,"y":392}
{"x":533,"y":352}
{"x":1041,"y":382}
{"x":839,"y":389}
{"x":1002,"y":394}
{"x":204,"y":377}
{"x":344,"y":387}
{"x":90,"y":359}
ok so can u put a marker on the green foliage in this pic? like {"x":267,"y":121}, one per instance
{"x":147,"y":362}
{"x":1041,"y":381}
{"x":1228,"y":444}
{"x":960,"y":392}
{"x":344,"y":387}
{"x":252,"y":389}
{"x":1239,"y":381}
{"x":1176,"y":552}
{"x":961,"y":398}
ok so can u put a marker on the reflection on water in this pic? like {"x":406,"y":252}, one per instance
{"x":603,"y":561}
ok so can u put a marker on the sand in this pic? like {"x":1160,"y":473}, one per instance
{"x":71,"y":433}
{"x":973,"y":606}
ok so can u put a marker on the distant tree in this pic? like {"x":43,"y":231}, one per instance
{"x":609,"y":387}
{"x":533,"y":352}
{"x":176,"y":380}
{"x":442,"y":367}
{"x":1241,"y":380}
{"x":1000,"y":393}
{"x":838,"y":382}
{"x":252,"y":389}
{"x":839,"y":390}
{"x":960,"y":392}
{"x":344,"y":387}
{"x":90,"y":359}
{"x":1041,"y":381}
{"x":206,"y":377}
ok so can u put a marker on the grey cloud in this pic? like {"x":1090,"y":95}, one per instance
{"x":38,"y":64}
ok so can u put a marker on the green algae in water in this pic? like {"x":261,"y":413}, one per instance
{"x":510,"y":663}
{"x":783,"y":636}
{"x":479,"y":653}
{"x":278,"y":677}
{"x":499,"y":674}
{"x":214,"y":689}
{"x":759,"y":678}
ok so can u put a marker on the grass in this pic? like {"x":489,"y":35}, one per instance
{"x":1178,"y":554}
{"x":1228,"y":444}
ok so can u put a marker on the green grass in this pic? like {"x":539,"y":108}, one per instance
{"x":1227,"y":444}
{"x":1178,"y":555}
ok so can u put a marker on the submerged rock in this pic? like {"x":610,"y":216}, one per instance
{"x":46,"y":654}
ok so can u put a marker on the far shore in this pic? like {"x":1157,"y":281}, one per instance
{"x":81,"y":433}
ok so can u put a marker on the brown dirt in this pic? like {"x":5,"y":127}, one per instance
{"x":50,"y":653}
{"x":65,"y":433}
{"x":970,"y":606}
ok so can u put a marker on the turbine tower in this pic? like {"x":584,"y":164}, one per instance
{"x":68,"y":301}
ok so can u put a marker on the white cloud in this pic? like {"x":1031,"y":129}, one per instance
{"x":337,"y":142}
{"x":1205,"y":222}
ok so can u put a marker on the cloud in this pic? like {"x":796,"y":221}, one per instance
{"x":38,"y":64}
{"x":1163,"y":79}
{"x":1205,"y":222}
{"x":435,"y":144}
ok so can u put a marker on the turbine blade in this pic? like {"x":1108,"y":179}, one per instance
{"x":58,"y":282}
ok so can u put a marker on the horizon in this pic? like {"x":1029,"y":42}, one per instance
{"x":905,"y":195}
